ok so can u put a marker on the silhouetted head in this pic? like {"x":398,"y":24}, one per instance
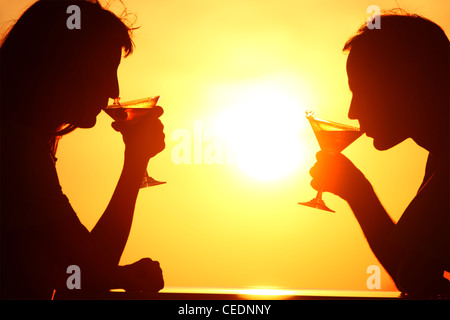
{"x":399,"y":77}
{"x":53,"y":76}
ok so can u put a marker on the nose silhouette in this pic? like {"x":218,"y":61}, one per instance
{"x":114,"y":88}
{"x":352,"y":114}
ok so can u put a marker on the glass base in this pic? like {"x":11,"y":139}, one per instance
{"x":316,"y":203}
{"x":150,"y":182}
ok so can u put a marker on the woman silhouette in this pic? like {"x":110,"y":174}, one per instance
{"x":55,"y":79}
{"x":399,"y":78}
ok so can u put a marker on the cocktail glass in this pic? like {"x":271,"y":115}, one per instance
{"x":334,"y":138}
{"x":134,"y":110}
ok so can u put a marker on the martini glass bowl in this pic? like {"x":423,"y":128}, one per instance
{"x":134,"y":110}
{"x":332,"y":137}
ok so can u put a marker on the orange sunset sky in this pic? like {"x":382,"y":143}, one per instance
{"x":235,"y":78}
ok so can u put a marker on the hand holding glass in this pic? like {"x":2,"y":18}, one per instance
{"x":332,"y":137}
{"x":134,"y":110}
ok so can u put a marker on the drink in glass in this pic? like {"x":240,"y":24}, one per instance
{"x":333,"y":137}
{"x":134,"y":110}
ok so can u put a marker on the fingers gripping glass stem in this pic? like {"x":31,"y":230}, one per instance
{"x":134,"y":109}
{"x":333,"y":137}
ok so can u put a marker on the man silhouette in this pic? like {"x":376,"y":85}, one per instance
{"x":399,"y":78}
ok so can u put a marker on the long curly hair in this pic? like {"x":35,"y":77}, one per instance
{"x":39,"y":54}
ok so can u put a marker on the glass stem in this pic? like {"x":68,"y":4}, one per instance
{"x":319,"y":195}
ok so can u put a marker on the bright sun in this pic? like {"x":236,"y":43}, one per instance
{"x":261,"y":125}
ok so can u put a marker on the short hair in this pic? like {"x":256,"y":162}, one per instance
{"x":406,"y":45}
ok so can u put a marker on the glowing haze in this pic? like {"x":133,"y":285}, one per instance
{"x":235,"y":78}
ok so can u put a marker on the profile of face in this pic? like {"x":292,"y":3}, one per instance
{"x":378,"y":102}
{"x":94,"y":81}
